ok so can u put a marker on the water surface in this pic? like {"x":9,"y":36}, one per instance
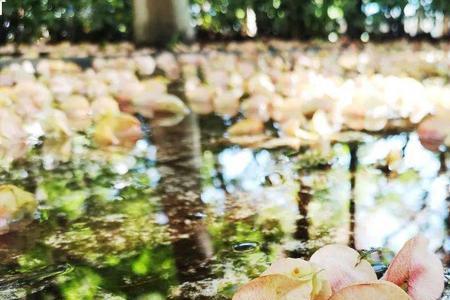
{"x":192,"y":217}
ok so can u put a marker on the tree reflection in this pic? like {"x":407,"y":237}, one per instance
{"x":352,"y":207}
{"x":302,"y":224}
{"x":179,"y":152}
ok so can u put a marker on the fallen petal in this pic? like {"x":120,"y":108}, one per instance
{"x":377,"y":290}
{"x":249,"y":140}
{"x":304,"y":271}
{"x":246,"y":127}
{"x":274,"y":287}
{"x":16,"y":205}
{"x":121,"y":130}
{"x":419,"y":269}
{"x":343,"y":266}
{"x":282,"y":142}
{"x":433,"y":132}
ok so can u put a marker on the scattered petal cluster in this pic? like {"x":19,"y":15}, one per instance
{"x":310,"y":95}
{"x":271,"y":93}
{"x":53,"y":102}
{"x":339,"y":272}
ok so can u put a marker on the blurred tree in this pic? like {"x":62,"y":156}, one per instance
{"x":354,"y":18}
{"x":159,"y":22}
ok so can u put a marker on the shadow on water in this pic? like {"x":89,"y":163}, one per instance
{"x":199,"y":218}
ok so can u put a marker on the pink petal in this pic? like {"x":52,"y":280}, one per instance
{"x":343,"y":266}
{"x":274,"y":287}
{"x":376,"y":290}
{"x":433,"y":132}
{"x":419,"y":269}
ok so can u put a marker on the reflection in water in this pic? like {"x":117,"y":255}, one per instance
{"x":352,"y":205}
{"x":196,"y":219}
{"x":392,"y":209}
{"x":17,"y":285}
{"x":442,"y":162}
{"x":302,"y":223}
{"x":180,"y":189}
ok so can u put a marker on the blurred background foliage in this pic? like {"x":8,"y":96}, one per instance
{"x":323,"y":18}
{"x":111,"y":20}
{"x":55,"y":20}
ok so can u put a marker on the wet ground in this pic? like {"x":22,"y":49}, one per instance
{"x":193,"y":218}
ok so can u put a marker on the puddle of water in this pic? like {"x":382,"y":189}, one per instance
{"x":194,"y":220}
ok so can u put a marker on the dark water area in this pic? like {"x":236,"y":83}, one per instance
{"x":192,"y":217}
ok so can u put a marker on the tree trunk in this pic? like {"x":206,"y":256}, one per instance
{"x":158,"y":22}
